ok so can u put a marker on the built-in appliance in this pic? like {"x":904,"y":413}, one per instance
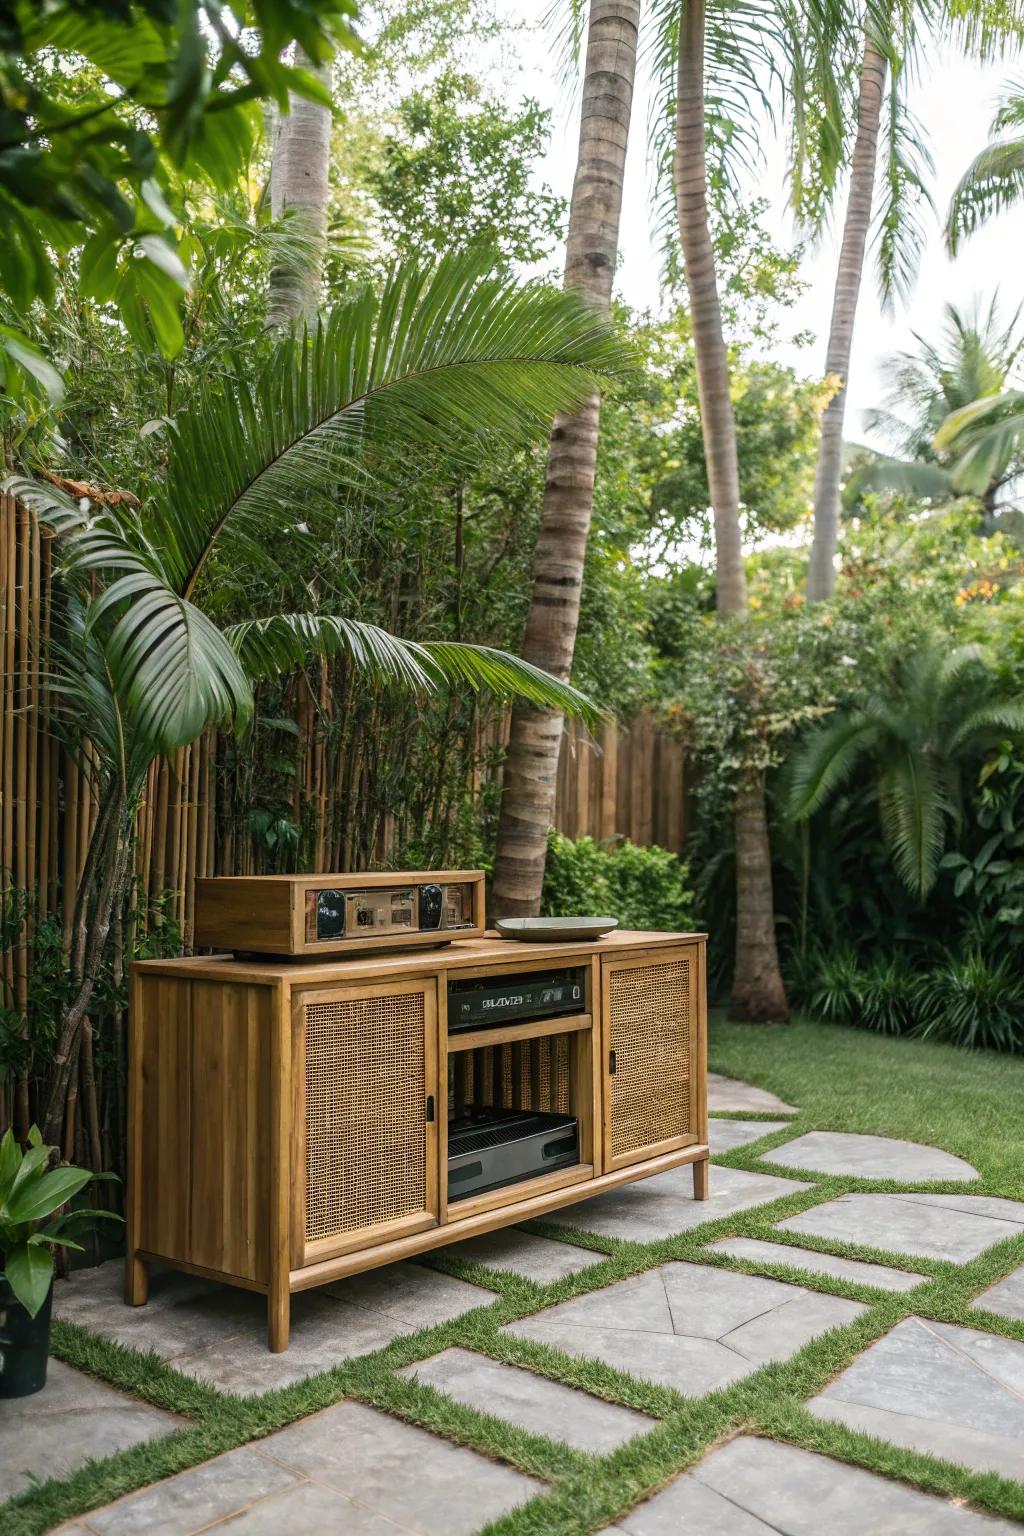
{"x":490,"y":1148}
{"x":484,"y":1001}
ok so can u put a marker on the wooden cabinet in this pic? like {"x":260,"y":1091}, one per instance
{"x":288,"y":1121}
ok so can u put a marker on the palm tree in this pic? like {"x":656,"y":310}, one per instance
{"x":757,"y":990}
{"x":994,"y":180}
{"x":921,"y":731}
{"x":143,"y":668}
{"x":890,"y":37}
{"x":299,"y":186}
{"x":531,"y":765}
{"x":972,"y":361}
{"x":870,"y":96}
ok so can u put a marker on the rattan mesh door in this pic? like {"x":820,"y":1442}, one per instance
{"x":650,"y":1021}
{"x":370,"y":1070}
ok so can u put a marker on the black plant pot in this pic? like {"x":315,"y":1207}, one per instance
{"x":24,"y":1344}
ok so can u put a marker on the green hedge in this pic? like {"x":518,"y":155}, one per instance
{"x":642,"y":887}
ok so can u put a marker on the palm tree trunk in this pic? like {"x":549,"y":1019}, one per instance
{"x":821,"y":576}
{"x":758,"y":991}
{"x":528,"y":795}
{"x":712,"y":360}
{"x":299,"y":182}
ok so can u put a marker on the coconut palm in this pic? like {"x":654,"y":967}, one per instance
{"x":143,"y":667}
{"x":921,"y":731}
{"x":891,"y":34}
{"x":994,"y":180}
{"x":299,"y":188}
{"x":972,"y":361}
{"x":698,"y":107}
{"x":528,"y":792}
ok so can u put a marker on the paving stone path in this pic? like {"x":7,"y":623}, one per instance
{"x":728,"y":1093}
{"x":664,"y":1205}
{"x":73,"y":1419}
{"x":870,"y":1157}
{"x":756,"y":1487}
{"x":688,"y":1326}
{"x":1006,"y":1298}
{"x":348,"y":1469}
{"x":533,"y":1402}
{"x":219,"y":1334}
{"x":726,"y":1135}
{"x":949,"y":1391}
{"x":952,"y":1392}
{"x":953,"y":1227}
{"x":787,"y":1256}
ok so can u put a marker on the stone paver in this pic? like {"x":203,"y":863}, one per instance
{"x":822,"y":1263}
{"x":399,"y":1471}
{"x":74,"y":1419}
{"x":218,"y":1334}
{"x":661,"y":1206}
{"x":728,"y":1093}
{"x":953,"y":1227}
{"x":1005,"y":1297}
{"x":949,"y":1391}
{"x":756,"y":1487}
{"x":349,"y":1469}
{"x":536,"y":1404}
{"x":870,"y":1157}
{"x":688,"y":1326}
{"x":727,"y":1135}
{"x":191,"y":1500}
{"x":540,"y":1259}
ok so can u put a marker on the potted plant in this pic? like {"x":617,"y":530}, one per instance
{"x":30,"y":1192}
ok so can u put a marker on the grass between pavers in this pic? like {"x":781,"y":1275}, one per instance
{"x":841,"y":1080}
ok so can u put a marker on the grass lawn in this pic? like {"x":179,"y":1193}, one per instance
{"x":971,"y":1105}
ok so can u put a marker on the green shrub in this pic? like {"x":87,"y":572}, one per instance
{"x":974,"y":1002}
{"x":642,"y":887}
{"x":970,"y":1001}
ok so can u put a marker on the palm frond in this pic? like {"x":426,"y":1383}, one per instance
{"x":984,"y":437}
{"x":913,"y":479}
{"x":991,"y":184}
{"x":439,"y":354}
{"x":985,"y":721}
{"x":906,"y":168}
{"x":913,"y":808}
{"x":284,"y":642}
{"x":825,"y":760}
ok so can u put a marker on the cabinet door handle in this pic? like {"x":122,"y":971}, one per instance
{"x":430,"y":1106}
{"x":611,"y":1063}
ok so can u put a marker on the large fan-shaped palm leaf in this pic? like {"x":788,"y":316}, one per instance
{"x":919,"y":731}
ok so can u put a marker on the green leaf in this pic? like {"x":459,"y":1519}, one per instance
{"x":10,"y":1162}
{"x":29,"y":1272}
{"x":164,"y":257}
{"x":97,"y":267}
{"x":38,"y":1197}
{"x":32,"y":363}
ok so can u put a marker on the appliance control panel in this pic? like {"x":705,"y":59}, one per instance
{"x":333,"y":915}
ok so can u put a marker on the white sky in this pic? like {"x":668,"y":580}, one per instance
{"x":954,"y":100}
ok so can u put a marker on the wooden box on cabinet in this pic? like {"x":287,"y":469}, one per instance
{"x":288,"y":1123}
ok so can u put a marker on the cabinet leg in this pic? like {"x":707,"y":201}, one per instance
{"x":279,"y":1310}
{"x":136,"y":1281}
{"x":700,"y":1180}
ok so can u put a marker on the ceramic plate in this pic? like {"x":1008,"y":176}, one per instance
{"x":555,"y":930}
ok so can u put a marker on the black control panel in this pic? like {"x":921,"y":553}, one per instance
{"x":504,"y":999}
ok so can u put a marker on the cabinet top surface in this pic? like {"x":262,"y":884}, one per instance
{"x":458,"y":955}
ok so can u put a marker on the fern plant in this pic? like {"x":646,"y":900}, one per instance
{"x":920,"y":731}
